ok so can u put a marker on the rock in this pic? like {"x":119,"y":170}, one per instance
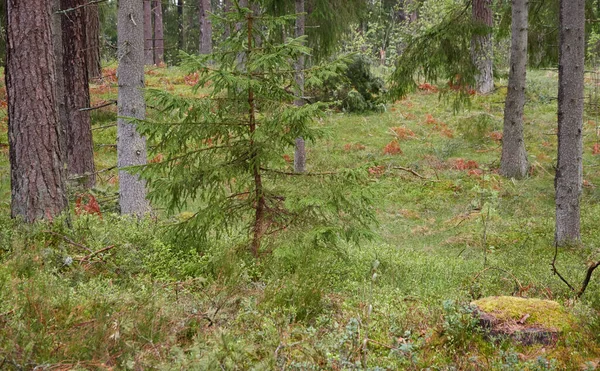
{"x":526,"y":321}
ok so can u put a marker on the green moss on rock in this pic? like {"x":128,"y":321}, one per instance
{"x":535,"y":312}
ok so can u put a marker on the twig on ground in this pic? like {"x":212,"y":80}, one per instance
{"x":69,"y":241}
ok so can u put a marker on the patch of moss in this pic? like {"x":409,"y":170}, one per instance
{"x":542,"y":313}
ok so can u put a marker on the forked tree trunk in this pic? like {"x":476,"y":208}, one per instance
{"x":131,"y":147}
{"x":80,"y":148}
{"x":514,"y":156}
{"x":205,"y":27}
{"x":148,"y":34}
{"x":36,"y":167}
{"x":93,"y":41}
{"x":159,"y":35}
{"x":482,"y":49}
{"x":300,"y":152}
{"x":569,"y":170}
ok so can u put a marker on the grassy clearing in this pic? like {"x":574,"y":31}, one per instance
{"x":399,"y":301}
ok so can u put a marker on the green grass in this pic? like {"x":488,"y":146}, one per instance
{"x":150,"y":303}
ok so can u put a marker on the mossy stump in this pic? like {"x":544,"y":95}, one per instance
{"x":526,"y":321}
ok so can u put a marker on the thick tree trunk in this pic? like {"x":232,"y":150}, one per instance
{"x":80,"y":148}
{"x":180,"y":34}
{"x":205,"y":27}
{"x":514,"y":157}
{"x":131,"y":147}
{"x":93,"y":41}
{"x":300,"y":152}
{"x":148,"y":34}
{"x":36,"y":167}
{"x":159,"y":35}
{"x":569,"y":170}
{"x":57,"y":39}
{"x":482,"y":48}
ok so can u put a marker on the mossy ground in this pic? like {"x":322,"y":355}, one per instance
{"x":397,"y":302}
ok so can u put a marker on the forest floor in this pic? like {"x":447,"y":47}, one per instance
{"x":104,"y":292}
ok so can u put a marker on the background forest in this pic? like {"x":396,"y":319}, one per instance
{"x":299,"y":185}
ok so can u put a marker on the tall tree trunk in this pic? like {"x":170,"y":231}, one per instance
{"x":93,"y":41}
{"x":300,"y":152}
{"x":238,"y":26}
{"x":514,"y":157}
{"x":226,"y":9}
{"x":482,"y":47}
{"x":36,"y":167}
{"x":148,"y":34}
{"x":569,"y":170}
{"x":180,"y":28}
{"x":131,"y":147}
{"x":205,"y":27}
{"x":80,"y":148}
{"x":159,"y":35}
{"x":57,"y":39}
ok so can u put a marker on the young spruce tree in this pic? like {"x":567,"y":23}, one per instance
{"x":224,"y":150}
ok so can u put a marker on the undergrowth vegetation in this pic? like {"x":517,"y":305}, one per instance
{"x":95,"y":291}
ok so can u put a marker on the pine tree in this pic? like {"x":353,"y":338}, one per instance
{"x":224,"y":151}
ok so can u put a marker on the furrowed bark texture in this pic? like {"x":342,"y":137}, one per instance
{"x":80,"y":148}
{"x":59,"y":85}
{"x":569,"y":171}
{"x":159,"y":35}
{"x":148,"y":34}
{"x":205,"y":27}
{"x":131,"y":147}
{"x":300,"y":152}
{"x":482,"y":48}
{"x":93,"y":41}
{"x":514,"y":156}
{"x":36,"y":166}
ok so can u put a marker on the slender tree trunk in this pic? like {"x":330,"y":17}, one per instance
{"x":159,"y":35}
{"x":482,"y":47}
{"x":180,"y":35}
{"x":569,"y":170}
{"x":148,"y":34}
{"x":226,"y":9}
{"x":131,"y":147}
{"x":93,"y":41}
{"x":36,"y":167}
{"x":300,"y":153}
{"x":205,"y":27}
{"x":80,"y":148}
{"x":238,"y":26}
{"x":514,"y":157}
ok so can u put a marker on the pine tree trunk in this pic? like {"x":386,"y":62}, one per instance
{"x":148,"y":34}
{"x":482,"y":48}
{"x":159,"y":35}
{"x":300,"y":153}
{"x":205,"y":27}
{"x":93,"y":41}
{"x":131,"y":147}
{"x":226,"y":9}
{"x":569,"y":171}
{"x":57,"y":39}
{"x":36,"y":166}
{"x":80,"y":148}
{"x":180,"y":29}
{"x":514,"y":157}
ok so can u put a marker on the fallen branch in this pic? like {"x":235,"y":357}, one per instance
{"x":586,"y":280}
{"x":91,"y":255}
{"x":588,"y":276}
{"x":69,"y":241}
{"x":555,"y":270}
{"x":408,"y":170}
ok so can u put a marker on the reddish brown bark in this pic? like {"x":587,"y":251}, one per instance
{"x":159,"y":35}
{"x":80,"y":150}
{"x":36,"y":166}
{"x":93,"y":41}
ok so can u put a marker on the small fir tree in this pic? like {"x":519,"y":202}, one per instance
{"x":223,"y":152}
